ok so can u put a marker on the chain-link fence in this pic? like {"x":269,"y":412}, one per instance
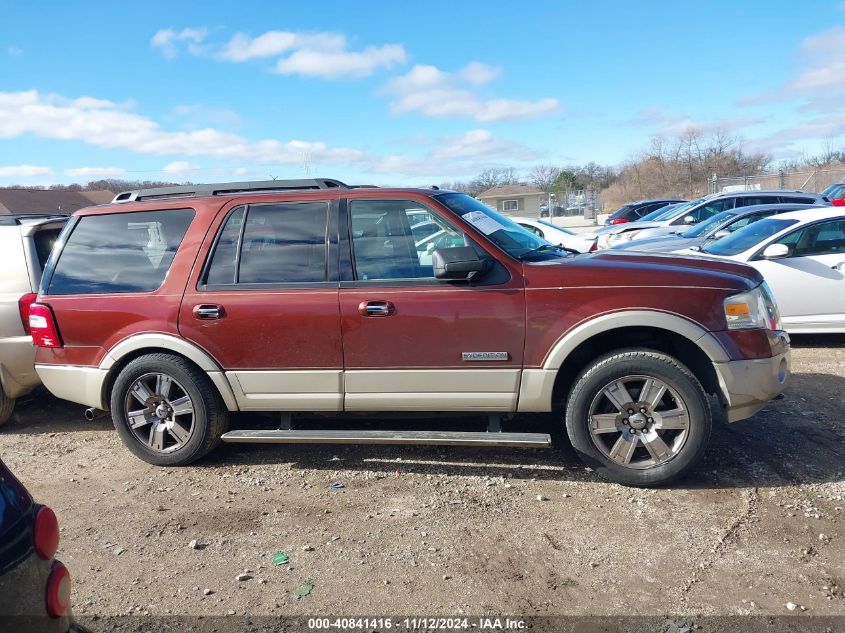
{"x":573,"y":203}
{"x":815,"y":180}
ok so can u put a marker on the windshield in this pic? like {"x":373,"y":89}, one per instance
{"x":747,"y":237}
{"x":499,"y":229}
{"x":705,"y":227}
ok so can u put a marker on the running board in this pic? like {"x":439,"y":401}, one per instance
{"x":431,"y":438}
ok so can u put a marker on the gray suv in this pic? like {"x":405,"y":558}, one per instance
{"x":25,"y":244}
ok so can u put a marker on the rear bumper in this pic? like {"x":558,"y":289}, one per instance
{"x":77,"y":384}
{"x":748,"y":385}
{"x":17,"y":366}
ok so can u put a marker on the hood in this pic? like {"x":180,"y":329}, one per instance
{"x":614,"y":268}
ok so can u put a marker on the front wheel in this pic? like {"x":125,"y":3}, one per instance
{"x":639,"y":417}
{"x":166,"y":410}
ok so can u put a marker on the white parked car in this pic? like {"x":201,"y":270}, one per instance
{"x":558,"y":235}
{"x":802,"y":257}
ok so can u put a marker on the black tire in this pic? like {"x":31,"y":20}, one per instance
{"x":210,"y":416}
{"x":625,"y":364}
{"x":7,"y":407}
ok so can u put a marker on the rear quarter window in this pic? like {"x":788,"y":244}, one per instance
{"x":44,"y":241}
{"x":119,"y":253}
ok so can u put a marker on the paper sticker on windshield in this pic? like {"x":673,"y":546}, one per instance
{"x":482,"y":222}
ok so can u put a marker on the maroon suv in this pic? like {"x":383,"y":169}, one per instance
{"x":175,"y":307}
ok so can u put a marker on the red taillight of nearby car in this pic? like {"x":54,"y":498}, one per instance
{"x":46,"y":533}
{"x":620,"y":221}
{"x":594,"y":246}
{"x":23,"y":308}
{"x":58,"y":591}
{"x":42,"y":326}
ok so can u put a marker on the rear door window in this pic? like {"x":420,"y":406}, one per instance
{"x":119,"y":253}
{"x":277,"y":243}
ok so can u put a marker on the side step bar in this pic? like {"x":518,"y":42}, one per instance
{"x":431,"y":438}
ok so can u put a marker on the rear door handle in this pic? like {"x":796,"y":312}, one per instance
{"x":208,"y":312}
{"x":376,"y":308}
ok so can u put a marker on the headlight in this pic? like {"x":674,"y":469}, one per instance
{"x":753,"y":309}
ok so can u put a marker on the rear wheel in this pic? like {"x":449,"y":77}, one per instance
{"x":7,"y":407}
{"x":639,"y":417}
{"x":166,"y":411}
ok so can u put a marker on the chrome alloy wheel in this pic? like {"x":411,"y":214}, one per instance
{"x":165,"y":419}
{"x":639,"y":421}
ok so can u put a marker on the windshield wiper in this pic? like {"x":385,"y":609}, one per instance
{"x":547,"y":247}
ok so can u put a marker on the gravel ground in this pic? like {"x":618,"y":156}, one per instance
{"x":430,"y":530}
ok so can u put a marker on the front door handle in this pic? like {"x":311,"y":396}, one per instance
{"x":376,"y":308}
{"x":208,"y":312}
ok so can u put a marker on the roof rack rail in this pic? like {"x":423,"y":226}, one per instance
{"x":225,"y":188}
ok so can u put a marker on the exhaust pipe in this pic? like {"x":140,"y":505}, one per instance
{"x":92,"y":414}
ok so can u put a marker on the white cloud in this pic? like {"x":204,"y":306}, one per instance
{"x":170,"y":41}
{"x":820,"y":79}
{"x":432,"y":92}
{"x":23,"y":171}
{"x":477,"y":73}
{"x":454,"y":156}
{"x":95,"y":172}
{"x":669,"y":123}
{"x":180,"y":167}
{"x":14,"y":51}
{"x":341,"y":64}
{"x":242,"y":47}
{"x":322,"y":54}
{"x":106,"y":124}
{"x":481,"y":144}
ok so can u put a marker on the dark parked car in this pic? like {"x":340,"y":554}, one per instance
{"x":636,"y":210}
{"x":719,"y":226}
{"x":34,"y":586}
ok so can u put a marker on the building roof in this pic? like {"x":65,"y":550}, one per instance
{"x":49,"y":200}
{"x":505,"y":191}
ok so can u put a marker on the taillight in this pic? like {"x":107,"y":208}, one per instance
{"x":23,"y":308}
{"x":58,"y":591}
{"x":42,"y":326}
{"x":619,"y":221}
{"x":46,"y":537}
{"x":594,"y":246}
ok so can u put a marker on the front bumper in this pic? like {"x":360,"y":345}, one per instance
{"x":748,"y":385}
{"x":17,"y":366}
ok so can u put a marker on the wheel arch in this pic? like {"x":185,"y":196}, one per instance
{"x":548,"y":388}
{"x":134,"y":347}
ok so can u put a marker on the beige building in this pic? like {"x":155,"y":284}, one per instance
{"x":521,"y":200}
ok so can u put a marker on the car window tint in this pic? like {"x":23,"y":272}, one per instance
{"x":797,"y":200}
{"x":223,"y":263}
{"x":384,"y":244}
{"x":120,"y":252}
{"x":284,"y":243}
{"x":44,"y":241}
{"x":748,"y":237}
{"x":825,"y":238}
{"x":747,"y":201}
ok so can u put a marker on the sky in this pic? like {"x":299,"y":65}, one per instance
{"x":403,"y":93}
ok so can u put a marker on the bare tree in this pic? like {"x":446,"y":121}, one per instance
{"x":544,"y":177}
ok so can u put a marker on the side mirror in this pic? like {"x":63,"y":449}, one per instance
{"x":459,"y":262}
{"x":720,"y":234}
{"x":689,"y":219}
{"x":776,"y":251}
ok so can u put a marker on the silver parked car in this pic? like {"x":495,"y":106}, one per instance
{"x":703,"y":209}
{"x":25,"y":244}
{"x":719,"y":226}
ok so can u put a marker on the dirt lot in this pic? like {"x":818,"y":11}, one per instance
{"x":450,"y":531}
